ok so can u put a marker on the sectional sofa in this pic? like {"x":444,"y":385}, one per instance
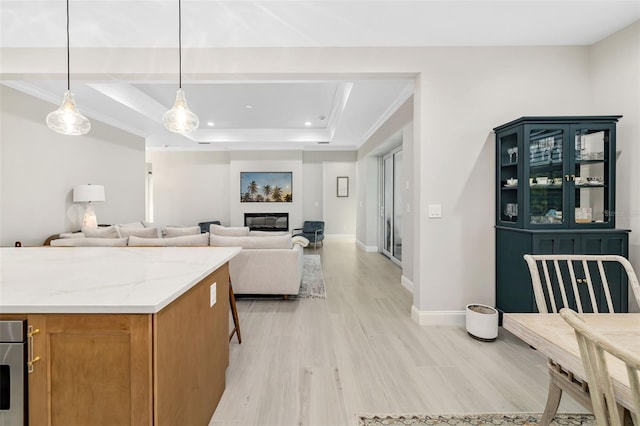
{"x":270,"y":263}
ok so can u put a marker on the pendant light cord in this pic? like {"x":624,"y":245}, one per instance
{"x":179,"y":43}
{"x":68,"y":62}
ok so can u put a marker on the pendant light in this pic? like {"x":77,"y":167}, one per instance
{"x":67,"y":119}
{"x":180,"y":119}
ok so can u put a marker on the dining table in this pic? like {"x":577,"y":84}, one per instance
{"x":554,"y":338}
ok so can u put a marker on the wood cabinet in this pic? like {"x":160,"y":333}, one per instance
{"x":555,"y":194}
{"x":166,"y":368}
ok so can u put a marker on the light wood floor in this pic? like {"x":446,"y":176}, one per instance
{"x":323,"y":361}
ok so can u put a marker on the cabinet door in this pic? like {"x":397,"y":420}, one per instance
{"x":509,"y":178}
{"x":545,"y":182}
{"x":609,"y":243}
{"x":589,"y":243}
{"x":93,"y":370}
{"x":592,"y":171}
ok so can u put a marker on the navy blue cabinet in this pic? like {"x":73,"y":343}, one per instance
{"x":555,"y":194}
{"x":556,"y":172}
{"x":514,"y":292}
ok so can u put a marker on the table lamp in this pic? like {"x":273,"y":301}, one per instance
{"x":88,"y":194}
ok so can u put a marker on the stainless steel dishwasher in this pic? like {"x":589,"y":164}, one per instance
{"x":13,"y":373}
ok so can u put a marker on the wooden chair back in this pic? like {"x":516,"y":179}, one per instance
{"x":580,"y":282}
{"x":593,"y":350}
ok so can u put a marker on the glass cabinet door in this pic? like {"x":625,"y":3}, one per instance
{"x":591,"y":174}
{"x":546,"y":151}
{"x":508,"y":170}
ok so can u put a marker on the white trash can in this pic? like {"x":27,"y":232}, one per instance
{"x":482,"y":322}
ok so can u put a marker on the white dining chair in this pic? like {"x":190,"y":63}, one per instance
{"x":557,"y":281}
{"x":593,"y":350}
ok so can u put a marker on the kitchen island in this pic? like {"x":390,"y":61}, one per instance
{"x":121,"y":335}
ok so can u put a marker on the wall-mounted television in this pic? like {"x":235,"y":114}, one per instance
{"x":266,"y":187}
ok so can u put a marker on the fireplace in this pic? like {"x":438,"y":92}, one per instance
{"x":267,"y":221}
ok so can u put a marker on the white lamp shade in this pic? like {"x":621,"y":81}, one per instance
{"x":88,"y":193}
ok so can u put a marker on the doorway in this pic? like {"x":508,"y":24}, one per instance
{"x":392,"y":205}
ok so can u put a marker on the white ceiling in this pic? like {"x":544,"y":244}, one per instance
{"x":352,"y":109}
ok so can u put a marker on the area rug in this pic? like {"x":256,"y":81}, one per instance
{"x":525,"y":419}
{"x":312,"y":286}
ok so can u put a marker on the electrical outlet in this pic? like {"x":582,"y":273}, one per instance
{"x":435,"y":211}
{"x":212,"y":294}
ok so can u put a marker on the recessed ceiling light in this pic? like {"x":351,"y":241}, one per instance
{"x":248,"y":106}
{"x":307,"y":123}
{"x":210,"y":123}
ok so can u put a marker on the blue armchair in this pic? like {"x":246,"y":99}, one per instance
{"x":204,"y":226}
{"x":312,"y":230}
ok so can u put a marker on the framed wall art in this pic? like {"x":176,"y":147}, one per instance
{"x":343,"y":186}
{"x":266,"y":187}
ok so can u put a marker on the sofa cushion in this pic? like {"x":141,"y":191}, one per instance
{"x":267,"y":233}
{"x":276,"y":242}
{"x":72,"y":235}
{"x":137,"y":224}
{"x":89,"y":242}
{"x":177,"y":231}
{"x":198,"y":240}
{"x":229,"y":231}
{"x":139,"y":232}
{"x":102,"y":232}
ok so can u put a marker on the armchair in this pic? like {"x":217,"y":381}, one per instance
{"x":204,"y":226}
{"x":312,"y":230}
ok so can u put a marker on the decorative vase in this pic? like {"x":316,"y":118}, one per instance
{"x":482,"y":322}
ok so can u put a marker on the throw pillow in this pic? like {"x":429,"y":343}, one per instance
{"x":229,"y":231}
{"x":89,"y":242}
{"x":139,"y":232}
{"x":175,"y":231}
{"x":102,"y":232}
{"x":199,"y":240}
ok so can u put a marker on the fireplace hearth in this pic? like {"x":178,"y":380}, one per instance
{"x":267,"y":221}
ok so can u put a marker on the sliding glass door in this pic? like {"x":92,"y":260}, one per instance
{"x":392,"y":205}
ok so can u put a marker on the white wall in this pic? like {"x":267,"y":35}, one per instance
{"x":367,"y":203}
{"x":614,"y":65}
{"x":190,"y":187}
{"x":313,"y":201}
{"x":464,"y":94}
{"x":39,"y":169}
{"x":339,"y":213}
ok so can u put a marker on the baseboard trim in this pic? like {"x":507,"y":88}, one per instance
{"x":368,"y":249}
{"x":437,"y":317}
{"x":407,"y":283}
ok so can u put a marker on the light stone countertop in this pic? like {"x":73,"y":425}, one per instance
{"x":117,"y":280}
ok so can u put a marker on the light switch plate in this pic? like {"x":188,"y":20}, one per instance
{"x":435,"y":210}
{"x":212,"y":294}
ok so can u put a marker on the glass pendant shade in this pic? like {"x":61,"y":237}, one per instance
{"x":180,"y":119}
{"x":67,"y":120}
